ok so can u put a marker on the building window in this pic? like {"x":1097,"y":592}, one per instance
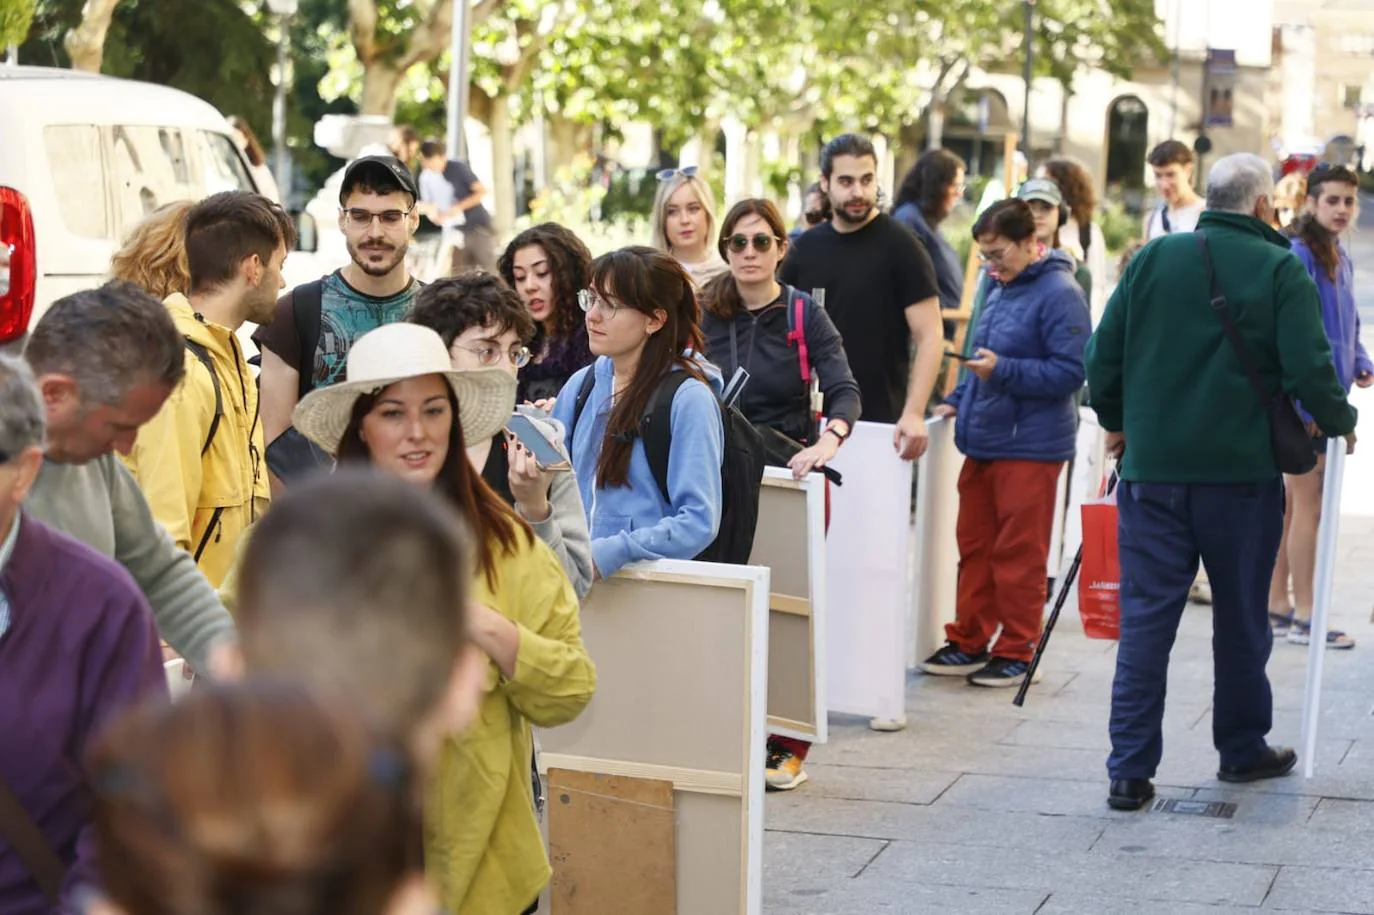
{"x":1350,"y":96}
{"x":1357,"y":45}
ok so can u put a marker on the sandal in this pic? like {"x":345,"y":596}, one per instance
{"x":1280,"y":623}
{"x":1301,"y":634}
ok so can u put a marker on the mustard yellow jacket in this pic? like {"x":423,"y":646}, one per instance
{"x":483,"y":848}
{"x":206,"y":501}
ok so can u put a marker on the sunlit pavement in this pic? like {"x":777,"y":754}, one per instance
{"x":979,"y":807}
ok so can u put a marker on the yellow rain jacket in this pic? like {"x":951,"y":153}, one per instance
{"x":483,"y":849}
{"x":205,"y":497}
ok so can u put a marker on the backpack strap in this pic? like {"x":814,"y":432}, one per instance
{"x":202,"y":354}
{"x":584,"y":392}
{"x":306,"y":307}
{"x":796,"y":331}
{"x":656,"y":428}
{"x":1085,"y":239}
{"x":1164,"y":219}
{"x":34,"y":850}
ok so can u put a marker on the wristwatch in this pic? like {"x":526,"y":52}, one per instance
{"x":834,"y":429}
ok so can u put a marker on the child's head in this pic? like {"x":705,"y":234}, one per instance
{"x":357,"y":585}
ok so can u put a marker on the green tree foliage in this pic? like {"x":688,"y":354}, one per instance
{"x":15,"y":19}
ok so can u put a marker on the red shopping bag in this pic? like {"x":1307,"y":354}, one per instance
{"x":1099,"y":577}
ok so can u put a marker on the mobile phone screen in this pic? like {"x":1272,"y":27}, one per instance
{"x":528,"y":434}
{"x":960,"y":357}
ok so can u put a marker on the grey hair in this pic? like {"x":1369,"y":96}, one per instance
{"x":21,"y":409}
{"x":1237,"y":182}
{"x":108,"y":340}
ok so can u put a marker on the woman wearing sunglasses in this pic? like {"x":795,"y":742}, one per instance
{"x":685,"y":223}
{"x":746,"y":323}
{"x":547,"y":265}
{"x":642,"y":322}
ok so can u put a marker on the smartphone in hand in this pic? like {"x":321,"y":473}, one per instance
{"x":545,"y":454}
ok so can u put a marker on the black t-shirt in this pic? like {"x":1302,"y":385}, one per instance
{"x":496,"y":471}
{"x":870,"y":278}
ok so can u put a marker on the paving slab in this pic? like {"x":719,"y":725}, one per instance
{"x":1322,"y":889}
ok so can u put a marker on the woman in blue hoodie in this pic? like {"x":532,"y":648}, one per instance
{"x":642,"y":324}
{"x":1017,"y":425}
{"x":1332,"y":206}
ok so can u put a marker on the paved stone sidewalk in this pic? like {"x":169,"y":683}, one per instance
{"x":980,"y":807}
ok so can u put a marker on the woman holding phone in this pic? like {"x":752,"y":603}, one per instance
{"x":641,"y":309}
{"x":749,"y":320}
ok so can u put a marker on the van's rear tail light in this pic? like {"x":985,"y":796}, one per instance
{"x":16,"y":239}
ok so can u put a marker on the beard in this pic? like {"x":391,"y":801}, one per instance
{"x":845,"y":214}
{"x":383,"y":258}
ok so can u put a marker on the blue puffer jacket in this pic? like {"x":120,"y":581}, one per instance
{"x":1038,"y":325}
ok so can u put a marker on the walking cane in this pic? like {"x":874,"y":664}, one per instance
{"x":1020,"y":699}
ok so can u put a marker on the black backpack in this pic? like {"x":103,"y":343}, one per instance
{"x":741,"y":471}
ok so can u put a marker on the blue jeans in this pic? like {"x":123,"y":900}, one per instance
{"x":1164,"y":530}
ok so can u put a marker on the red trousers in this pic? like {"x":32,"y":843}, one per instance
{"x":1006,"y":516}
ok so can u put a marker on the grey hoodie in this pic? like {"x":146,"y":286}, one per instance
{"x":99,"y":504}
{"x":565,"y":530}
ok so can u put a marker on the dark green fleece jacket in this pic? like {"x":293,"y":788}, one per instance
{"x":1161,"y":370}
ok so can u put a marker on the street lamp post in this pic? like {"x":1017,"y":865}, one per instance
{"x":1029,"y":75}
{"x":457,"y":108}
{"x":283,"y":10}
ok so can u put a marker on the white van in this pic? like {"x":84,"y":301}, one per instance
{"x":83,"y":158}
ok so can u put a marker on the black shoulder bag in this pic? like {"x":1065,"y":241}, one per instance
{"x":1292,"y":446}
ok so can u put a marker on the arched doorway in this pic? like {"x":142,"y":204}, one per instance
{"x":1128,"y":122}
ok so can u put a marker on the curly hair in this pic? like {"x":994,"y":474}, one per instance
{"x":153,"y":256}
{"x":571,"y":265}
{"x":929,"y":180}
{"x":1076,"y":184}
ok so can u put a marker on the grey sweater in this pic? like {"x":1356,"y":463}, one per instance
{"x":99,"y":504}
{"x":565,"y":530}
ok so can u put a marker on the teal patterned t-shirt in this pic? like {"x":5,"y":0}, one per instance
{"x":345,"y":315}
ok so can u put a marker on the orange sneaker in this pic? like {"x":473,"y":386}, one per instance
{"x":784,"y":771}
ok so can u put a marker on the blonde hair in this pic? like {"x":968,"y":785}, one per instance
{"x":666,"y":189}
{"x":153,"y":255}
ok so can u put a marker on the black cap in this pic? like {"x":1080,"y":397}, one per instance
{"x":391,"y":164}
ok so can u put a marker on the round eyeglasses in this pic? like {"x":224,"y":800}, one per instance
{"x":489,"y":354}
{"x":587,"y":300}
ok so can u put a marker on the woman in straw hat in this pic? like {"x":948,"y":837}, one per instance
{"x":405,"y":411}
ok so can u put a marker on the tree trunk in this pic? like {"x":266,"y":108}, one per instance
{"x":503,"y":164}
{"x":567,"y":140}
{"x":85,"y":44}
{"x":380,"y":82}
{"x":935,"y":131}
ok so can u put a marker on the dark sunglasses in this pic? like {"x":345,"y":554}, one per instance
{"x":668,"y":174}
{"x":814,"y":216}
{"x":761,"y":242}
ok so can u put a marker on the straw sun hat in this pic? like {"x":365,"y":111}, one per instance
{"x":396,"y":352}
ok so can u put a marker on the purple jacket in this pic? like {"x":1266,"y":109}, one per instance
{"x":81,"y":646}
{"x":1339,"y":315}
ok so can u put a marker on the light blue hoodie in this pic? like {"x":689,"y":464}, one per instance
{"x":632,"y":523}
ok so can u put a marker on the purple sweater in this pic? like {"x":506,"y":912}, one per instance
{"x":81,"y":646}
{"x":1340,"y":317}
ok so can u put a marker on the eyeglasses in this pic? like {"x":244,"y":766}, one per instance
{"x":761,"y":242}
{"x":668,"y":174}
{"x":995,"y":257}
{"x":362,"y":219}
{"x":814,"y":216}
{"x":489,"y":354}
{"x":587,"y":300}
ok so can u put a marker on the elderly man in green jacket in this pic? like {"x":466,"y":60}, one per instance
{"x":1199,"y":477}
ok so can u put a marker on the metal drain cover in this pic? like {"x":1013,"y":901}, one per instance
{"x":1218,"y":809}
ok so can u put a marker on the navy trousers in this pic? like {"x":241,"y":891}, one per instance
{"x":1165,"y":529}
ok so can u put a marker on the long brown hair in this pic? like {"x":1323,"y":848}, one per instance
{"x":570,"y":263}
{"x":1076,"y":184}
{"x":254,"y":798}
{"x":1323,"y":244}
{"x":494,"y":522}
{"x":721,"y":296}
{"x":647,"y":281}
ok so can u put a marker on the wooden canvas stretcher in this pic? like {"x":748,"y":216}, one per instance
{"x":681,"y":650}
{"x":790,"y":541}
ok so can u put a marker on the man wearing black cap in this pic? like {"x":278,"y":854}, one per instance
{"x":307,"y":342}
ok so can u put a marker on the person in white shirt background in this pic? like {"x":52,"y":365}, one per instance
{"x":1173,"y":164}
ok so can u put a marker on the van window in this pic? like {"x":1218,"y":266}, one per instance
{"x":78,"y":178}
{"x":224,"y":170}
{"x":150,"y":167}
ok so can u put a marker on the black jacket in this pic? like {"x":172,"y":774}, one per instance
{"x":775,"y":395}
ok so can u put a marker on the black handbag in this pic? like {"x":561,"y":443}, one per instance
{"x":1293,"y":449}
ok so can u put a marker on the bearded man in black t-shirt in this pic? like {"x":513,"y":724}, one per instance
{"x":880,"y":290}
